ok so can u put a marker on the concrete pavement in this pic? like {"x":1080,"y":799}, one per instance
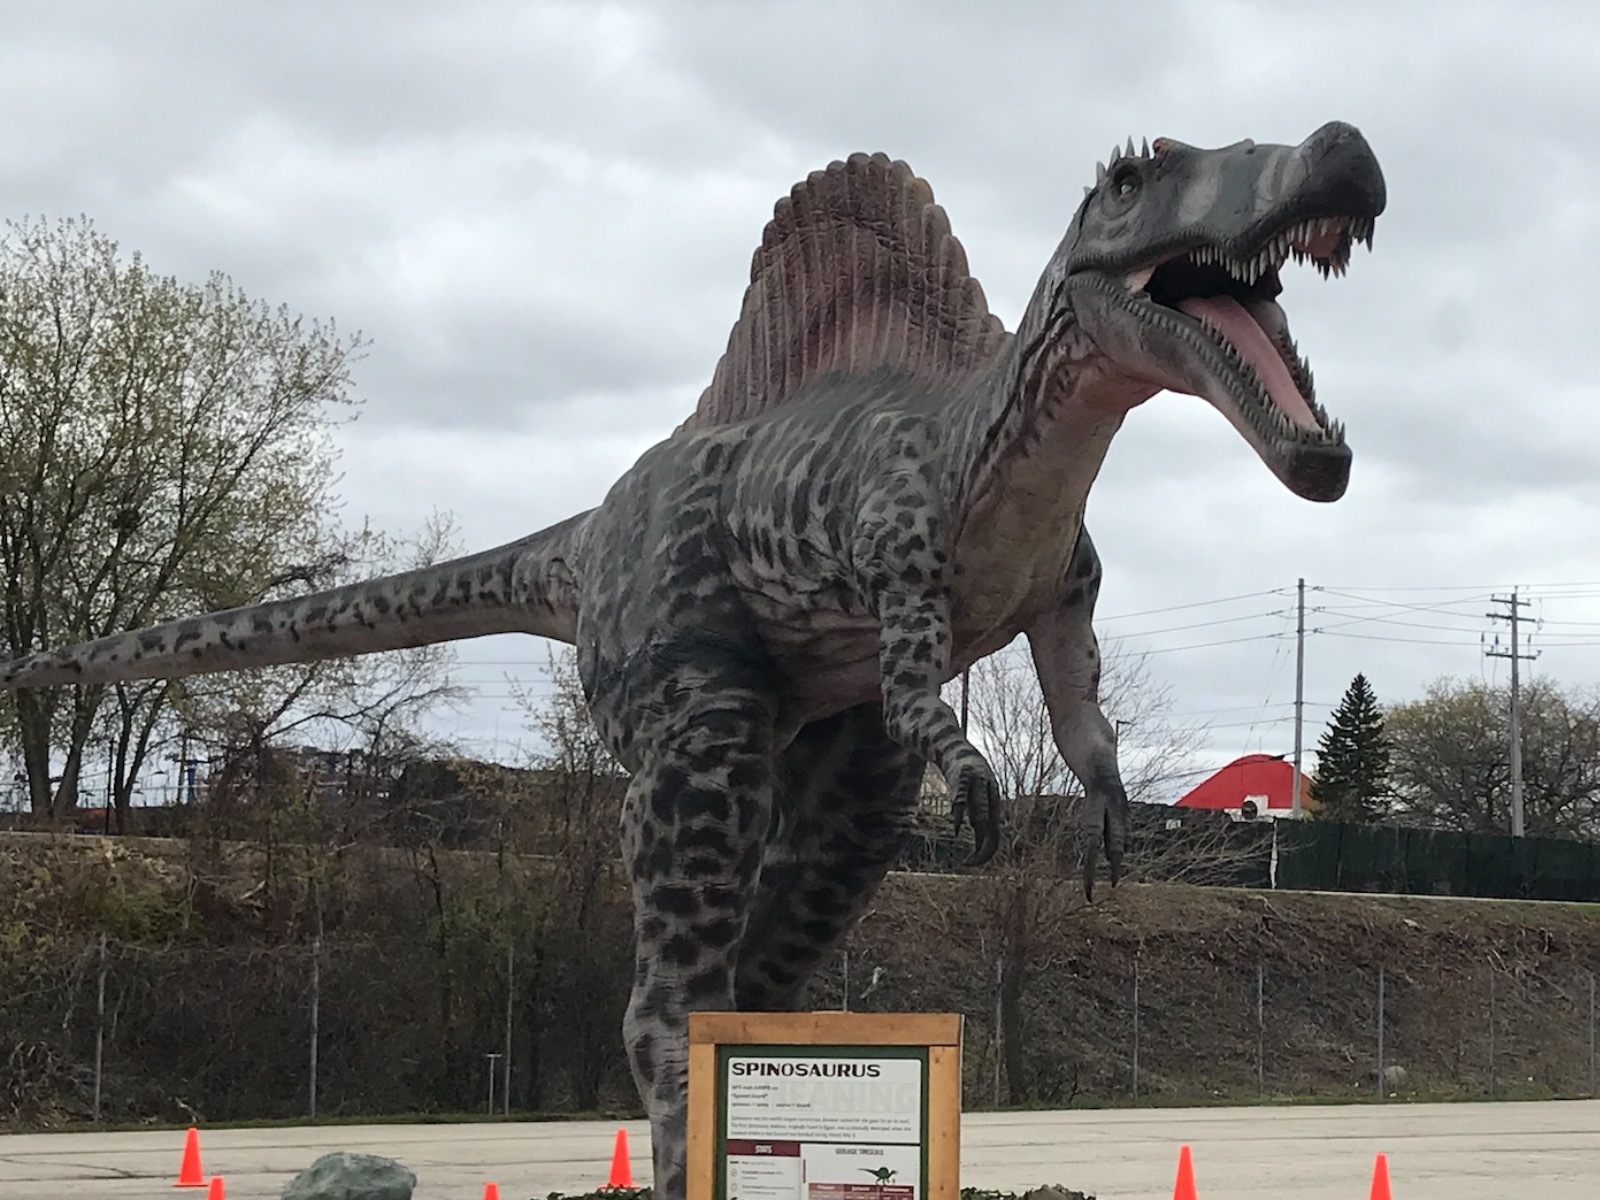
{"x":1548,"y":1150}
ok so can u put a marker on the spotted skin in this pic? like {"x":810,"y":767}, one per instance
{"x":765,"y":606}
{"x":776,"y":692}
{"x":845,"y":803}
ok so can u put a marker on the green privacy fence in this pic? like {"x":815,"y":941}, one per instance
{"x":1209,"y":848}
{"x":1330,"y":856}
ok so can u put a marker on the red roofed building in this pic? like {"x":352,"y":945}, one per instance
{"x":1265,"y":781}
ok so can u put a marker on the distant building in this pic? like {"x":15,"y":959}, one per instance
{"x":1255,"y":787}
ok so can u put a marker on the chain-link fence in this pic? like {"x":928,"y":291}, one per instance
{"x":136,"y":988}
{"x":237,"y":1032}
{"x":1238,"y":1034}
{"x":120,"y":1032}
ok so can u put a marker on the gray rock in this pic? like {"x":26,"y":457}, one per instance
{"x":1394,"y":1076}
{"x":345,"y":1176}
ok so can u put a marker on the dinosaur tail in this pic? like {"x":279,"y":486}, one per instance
{"x":522,"y":587}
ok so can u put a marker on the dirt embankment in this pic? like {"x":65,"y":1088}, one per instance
{"x":1241,"y":994}
{"x":210,"y":978}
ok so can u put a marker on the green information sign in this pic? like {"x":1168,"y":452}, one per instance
{"x":824,"y":1106}
{"x":822,"y":1123}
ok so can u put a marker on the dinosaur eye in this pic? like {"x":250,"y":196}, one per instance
{"x":1125,"y":182}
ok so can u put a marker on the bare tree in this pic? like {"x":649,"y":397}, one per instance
{"x":164,"y":448}
{"x":1451,"y":758}
{"x":1027,"y":895}
{"x":1009,"y":721}
{"x":582,"y":937}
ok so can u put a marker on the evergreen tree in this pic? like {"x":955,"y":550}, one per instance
{"x":1352,"y":780}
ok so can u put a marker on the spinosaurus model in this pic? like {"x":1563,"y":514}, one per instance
{"x":879,"y":487}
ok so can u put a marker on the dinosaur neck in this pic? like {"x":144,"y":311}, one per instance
{"x":1043,"y":420}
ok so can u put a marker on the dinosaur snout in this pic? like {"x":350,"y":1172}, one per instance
{"x":1338,"y":172}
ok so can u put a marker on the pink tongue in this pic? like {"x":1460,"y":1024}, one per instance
{"x":1252,"y":343}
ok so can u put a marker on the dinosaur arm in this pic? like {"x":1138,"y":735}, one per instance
{"x":522,"y":587}
{"x":913,"y":657}
{"x":1066,"y":656}
{"x":901,"y":546}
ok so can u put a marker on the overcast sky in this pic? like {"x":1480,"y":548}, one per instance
{"x":542,"y":215}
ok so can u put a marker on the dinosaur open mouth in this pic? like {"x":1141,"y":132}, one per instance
{"x":1228,"y":303}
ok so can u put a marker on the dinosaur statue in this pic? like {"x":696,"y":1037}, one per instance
{"x":879,"y":487}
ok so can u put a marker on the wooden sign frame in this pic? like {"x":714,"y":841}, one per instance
{"x":933,"y":1039}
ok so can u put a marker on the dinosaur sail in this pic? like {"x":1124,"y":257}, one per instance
{"x":858,"y":268}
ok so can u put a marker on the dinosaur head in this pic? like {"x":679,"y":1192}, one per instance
{"x":1171,"y":268}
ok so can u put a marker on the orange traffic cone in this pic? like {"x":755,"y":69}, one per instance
{"x":1184,"y":1188}
{"x":1380,"y":1178}
{"x":189,"y":1174}
{"x":217,"y":1191}
{"x":491,"y":1191}
{"x":621,"y":1171}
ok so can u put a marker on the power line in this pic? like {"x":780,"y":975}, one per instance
{"x":1259,"y":637}
{"x":1150,"y":612}
{"x":1275,"y":612}
{"x":1374,"y":637}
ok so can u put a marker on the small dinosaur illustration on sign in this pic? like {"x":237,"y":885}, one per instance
{"x":880,"y":1174}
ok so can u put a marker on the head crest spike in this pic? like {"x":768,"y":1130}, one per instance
{"x":1099,"y":173}
{"x":1144,"y":148}
{"x":1129,"y":150}
{"x":1116,"y":153}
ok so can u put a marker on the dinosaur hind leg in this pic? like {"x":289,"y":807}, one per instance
{"x":846,"y":799}
{"x":694,"y":821}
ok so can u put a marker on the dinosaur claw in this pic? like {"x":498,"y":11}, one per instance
{"x":979,"y":798}
{"x":1113,"y":845}
{"x":985,"y":849}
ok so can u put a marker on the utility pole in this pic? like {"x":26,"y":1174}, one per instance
{"x":1513,"y":614}
{"x":1299,"y":689}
